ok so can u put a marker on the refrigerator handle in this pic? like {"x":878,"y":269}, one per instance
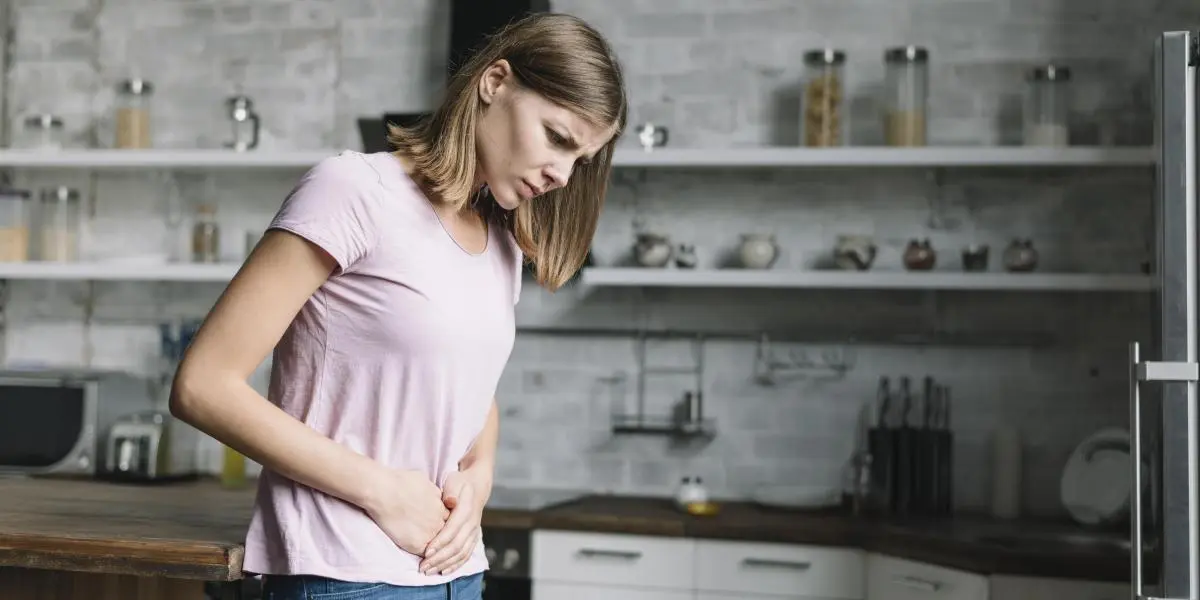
{"x":1135,"y":423}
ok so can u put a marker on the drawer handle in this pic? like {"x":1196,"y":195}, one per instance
{"x":597,"y":553}
{"x":777,"y":564}
{"x":917,"y":583}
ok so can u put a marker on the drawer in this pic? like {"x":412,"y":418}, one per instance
{"x":613,"y":559}
{"x":890,"y":578}
{"x":572,"y":591}
{"x":779,"y":569}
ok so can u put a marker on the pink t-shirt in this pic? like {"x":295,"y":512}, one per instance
{"x":397,"y":356}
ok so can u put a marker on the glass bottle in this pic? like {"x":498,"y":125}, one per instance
{"x":43,"y":132}
{"x":59,"y":231}
{"x":823,"y":121}
{"x":1047,"y":102}
{"x":906,"y":104}
{"x":133,"y":114}
{"x":206,"y":235}
{"x":14,"y":225}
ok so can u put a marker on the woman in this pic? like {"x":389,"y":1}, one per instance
{"x":386,"y":286}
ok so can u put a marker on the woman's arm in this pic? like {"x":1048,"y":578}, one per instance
{"x":211,"y":393}
{"x":480,"y":461}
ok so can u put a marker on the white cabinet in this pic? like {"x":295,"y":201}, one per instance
{"x":778,"y":570}
{"x":890,"y":578}
{"x":1010,"y":587}
{"x":547,"y":590}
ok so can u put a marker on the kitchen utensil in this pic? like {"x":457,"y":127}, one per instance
{"x":907,"y":441}
{"x":758,"y":251}
{"x":880,"y":447}
{"x":652,"y":249}
{"x":854,"y":252}
{"x":975,"y":257}
{"x":1020,"y":256}
{"x":245,"y":123}
{"x":925,"y":474}
{"x":919,"y":255}
{"x":1095,"y":485}
{"x":945,"y":455}
{"x":650,"y":136}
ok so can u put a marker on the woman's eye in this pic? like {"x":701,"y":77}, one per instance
{"x":557,"y":139}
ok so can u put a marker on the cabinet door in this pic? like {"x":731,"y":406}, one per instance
{"x":890,"y":578}
{"x":543,"y":590}
{"x":779,"y":569}
{"x":743,"y":596}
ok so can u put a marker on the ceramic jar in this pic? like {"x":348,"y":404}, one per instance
{"x":685,"y":256}
{"x":975,"y":258}
{"x":1020,"y":256}
{"x":919,"y":255}
{"x":652,"y":250}
{"x":854,"y":252}
{"x":758,"y":250}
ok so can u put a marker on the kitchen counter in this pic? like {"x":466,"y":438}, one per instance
{"x":194,"y":531}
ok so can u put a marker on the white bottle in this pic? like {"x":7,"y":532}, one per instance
{"x":1006,"y":472}
{"x":691,"y":491}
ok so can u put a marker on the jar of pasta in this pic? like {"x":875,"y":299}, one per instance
{"x":133,"y":114}
{"x":59,"y":220}
{"x":905,"y":106}
{"x":824,"y":100}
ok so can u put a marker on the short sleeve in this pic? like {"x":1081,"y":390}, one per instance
{"x":335,"y":205}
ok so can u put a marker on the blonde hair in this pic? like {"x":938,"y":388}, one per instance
{"x":570,"y":64}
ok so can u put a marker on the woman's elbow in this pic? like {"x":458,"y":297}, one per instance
{"x":187,"y":398}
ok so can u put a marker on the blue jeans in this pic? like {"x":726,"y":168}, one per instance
{"x":312,"y":587}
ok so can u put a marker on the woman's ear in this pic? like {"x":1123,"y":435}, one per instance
{"x":495,"y":80}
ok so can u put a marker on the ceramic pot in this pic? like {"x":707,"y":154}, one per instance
{"x":975,"y":258}
{"x":919,"y":256}
{"x":652,"y":250}
{"x":758,"y":250}
{"x":1020,"y":256}
{"x":854,"y":252}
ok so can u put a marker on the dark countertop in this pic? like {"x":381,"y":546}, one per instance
{"x":195,"y":530}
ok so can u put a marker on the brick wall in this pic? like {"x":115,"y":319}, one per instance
{"x":718,"y":74}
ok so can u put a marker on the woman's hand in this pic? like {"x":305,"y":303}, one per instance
{"x":409,"y":508}
{"x":457,"y":540}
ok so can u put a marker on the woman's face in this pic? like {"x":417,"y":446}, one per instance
{"x":526,"y":144}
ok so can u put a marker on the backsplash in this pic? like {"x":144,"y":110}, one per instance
{"x":716,"y":74}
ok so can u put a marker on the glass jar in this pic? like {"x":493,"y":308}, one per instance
{"x":906,"y":104}
{"x":206,"y":235}
{"x":43,"y":132}
{"x":14,"y":225}
{"x":133,"y":114}
{"x":59,"y":219}
{"x":824,"y":103}
{"x":1047,"y":103}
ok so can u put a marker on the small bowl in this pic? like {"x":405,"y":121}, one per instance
{"x":702,"y":509}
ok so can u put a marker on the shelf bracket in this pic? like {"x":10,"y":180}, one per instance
{"x":89,"y":312}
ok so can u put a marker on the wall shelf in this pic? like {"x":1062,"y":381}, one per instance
{"x":880,"y":280}
{"x":119,"y":271}
{"x":627,"y":157}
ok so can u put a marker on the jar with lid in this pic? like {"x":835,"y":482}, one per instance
{"x":59,"y":224}
{"x":43,"y":132}
{"x":823,"y":121}
{"x":206,"y":235}
{"x":1047,"y":104}
{"x":133,"y":114}
{"x":905,"y":106}
{"x":14,"y":225}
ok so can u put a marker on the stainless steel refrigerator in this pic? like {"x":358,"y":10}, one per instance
{"x":1163,"y":373}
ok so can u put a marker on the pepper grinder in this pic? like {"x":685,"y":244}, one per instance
{"x":245,"y":123}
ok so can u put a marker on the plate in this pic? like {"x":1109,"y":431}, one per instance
{"x":1095,"y":485}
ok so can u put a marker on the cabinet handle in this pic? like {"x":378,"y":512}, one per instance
{"x":597,"y":553}
{"x":917,"y":583}
{"x":777,"y":564}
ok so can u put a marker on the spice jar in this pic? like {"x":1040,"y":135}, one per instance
{"x":133,"y":114}
{"x":1047,"y":102}
{"x":824,"y":109}
{"x":14,"y":225}
{"x":43,"y":132}
{"x":905,"y":106}
{"x":59,"y":224}
{"x":206,"y":235}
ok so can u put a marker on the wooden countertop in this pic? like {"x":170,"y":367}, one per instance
{"x":195,"y":531}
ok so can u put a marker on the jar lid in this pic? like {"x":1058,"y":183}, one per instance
{"x":1050,"y":73}
{"x":136,"y":86}
{"x":14,"y":193}
{"x":907,"y":54}
{"x":60,"y":193}
{"x":45,"y":121}
{"x":825,"y":56}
